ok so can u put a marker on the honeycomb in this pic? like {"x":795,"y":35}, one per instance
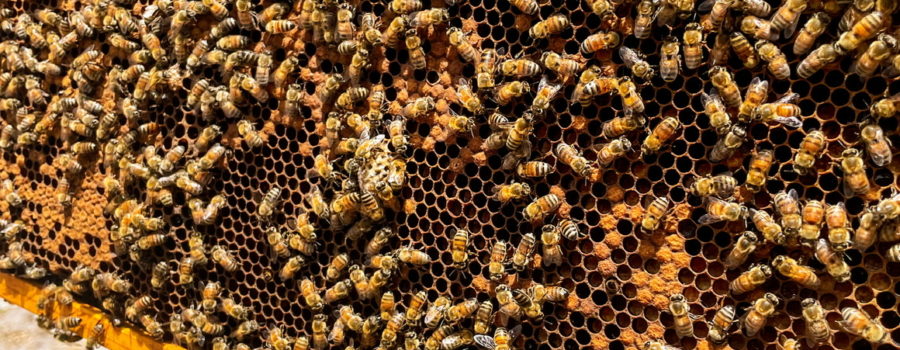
{"x":619,"y":280}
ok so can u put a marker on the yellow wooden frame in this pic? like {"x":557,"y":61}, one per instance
{"x":26,"y":294}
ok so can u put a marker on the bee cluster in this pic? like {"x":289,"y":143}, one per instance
{"x":439,"y":175}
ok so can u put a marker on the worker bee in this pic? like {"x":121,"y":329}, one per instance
{"x":416,"y":52}
{"x":506,"y":93}
{"x":788,"y":206}
{"x":656,"y":345}
{"x":544,"y":95}
{"x":631,"y":99}
{"x":678,"y":308}
{"x":429,"y":17}
{"x":755,"y":276}
{"x":566,"y":154}
{"x":759,"y":28}
{"x":460,"y":311}
{"x":718,"y":10}
{"x":310,"y":295}
{"x":553,"y":25}
{"x":693,"y":45}
{"x":513,"y":191}
{"x":600,"y":41}
{"x":789,"y":267}
{"x":541,"y":207}
{"x":78,"y":148}
{"x":861,"y":31}
{"x":186,"y":270}
{"x":552,"y":252}
{"x":270,"y":200}
{"x":720,"y":324}
{"x":813,"y":214}
{"x":833,"y":262}
{"x":528,"y":7}
{"x":760,"y":311}
{"x":654,"y":214}
{"x":233,"y":309}
{"x":415,"y":308}
{"x":563,"y":66}
{"x":770,"y":53}
{"x":855,"y":180}
{"x":92,"y":341}
{"x":530,"y":306}
{"x":224,"y":258}
{"x":814,"y":27}
{"x":609,"y":152}
{"x":877,"y":146}
{"x":418,"y":107}
{"x":647,"y":11}
{"x":811,"y":147}
{"x":722,"y":185}
{"x":670,"y":59}
{"x":404,"y":7}
{"x":787,"y":16}
{"x":151,"y":241}
{"x":522,"y":255}
{"x":856,"y":322}
{"x":159,"y":275}
{"x":465,"y":49}
{"x":209,"y":295}
{"x":636,"y":63}
{"x":728,"y":143}
{"x":838,"y":227}
{"x":392,"y":327}
{"x":723,"y":81}
{"x":770,"y":230}
{"x":820,"y":57}
{"x":485,"y":66}
{"x":394,"y":30}
{"x":247,"y":327}
{"x":534,"y":169}
{"x":817,"y":330}
{"x":715,"y":111}
{"x":519,"y":68}
{"x":436,"y":312}
{"x":756,"y":94}
{"x":459,"y":248}
{"x":720,"y":210}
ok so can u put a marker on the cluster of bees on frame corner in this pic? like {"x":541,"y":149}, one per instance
{"x":91,"y":77}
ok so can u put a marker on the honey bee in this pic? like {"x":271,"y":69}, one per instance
{"x":854,"y":168}
{"x":465,"y":49}
{"x":159,"y":275}
{"x":760,"y":311}
{"x":631,"y":99}
{"x":718,"y":10}
{"x":564,"y":67}
{"x":728,"y":143}
{"x":770,"y":230}
{"x":522,"y":255}
{"x":715,"y":110}
{"x":460,"y":311}
{"x":92,"y":341}
{"x":720,"y":210}
{"x":416,"y":52}
{"x":553,"y":25}
{"x":788,"y":206}
{"x":81,"y":147}
{"x":789,"y":267}
{"x":151,"y":241}
{"x":861,"y":31}
{"x":387,"y":304}
{"x":833,"y":262}
{"x":349,"y":98}
{"x":534,"y":169}
{"x":224,"y":258}
{"x":693,"y":45}
{"x":866,"y":233}
{"x":566,"y":154}
{"x":429,"y":17}
{"x":670,"y":59}
{"x":541,"y":207}
{"x":330,"y":86}
{"x":528,"y":7}
{"x":723,"y":81}
{"x":722,"y":185}
{"x":459,"y":248}
{"x":745,"y":52}
{"x":392,"y":327}
{"x":636,"y":63}
{"x":609,"y":152}
{"x":233,"y":309}
{"x":720,"y":324}
{"x":678,"y":308}
{"x":654,"y":214}
{"x":552,"y":252}
{"x":530,"y":306}
{"x":483,"y":317}
{"x":247,"y":327}
{"x":770,"y":53}
{"x":820,"y":57}
{"x":755,"y":276}
{"x":270,"y":200}
{"x":506,"y":93}
{"x":435,"y":312}
{"x":838,"y":227}
{"x":310,"y":295}
{"x":811,"y":147}
{"x":814,"y":27}
{"x":656,"y":345}
{"x":186,"y":270}
{"x":394,"y":30}
{"x":856,"y":322}
{"x":519,"y":68}
{"x":877,"y":146}
{"x":647,"y":11}
{"x":756,"y":94}
{"x":544,"y":95}
{"x":415,"y":308}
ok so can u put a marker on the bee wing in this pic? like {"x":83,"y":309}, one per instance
{"x":515,"y":332}
{"x":758,"y":81}
{"x":793,"y":195}
{"x":789,"y":98}
{"x":629,"y":56}
{"x":791,"y":122}
{"x":790,"y":28}
{"x":706,"y":5}
{"x":552,"y":89}
{"x":485,"y":341}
